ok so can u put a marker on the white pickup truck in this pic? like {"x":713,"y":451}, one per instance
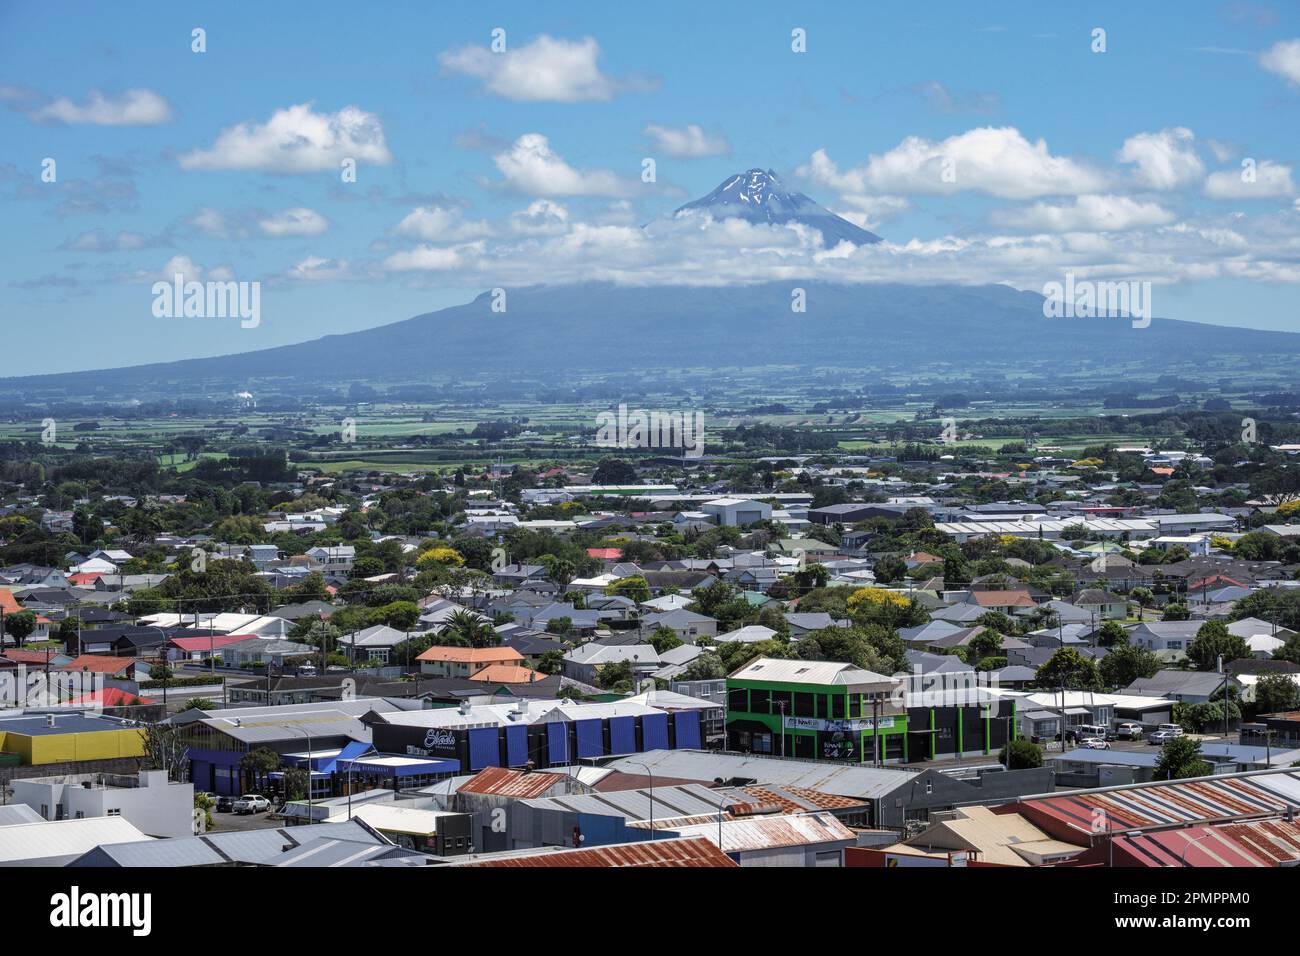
{"x":252,"y":803}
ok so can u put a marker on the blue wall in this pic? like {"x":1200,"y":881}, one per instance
{"x":484,"y":749}
{"x":622,"y":735}
{"x":517,"y":745}
{"x":686,"y":725}
{"x":591,"y":738}
{"x":654,"y":732}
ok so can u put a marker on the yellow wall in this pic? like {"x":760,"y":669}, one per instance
{"x":69,"y":748}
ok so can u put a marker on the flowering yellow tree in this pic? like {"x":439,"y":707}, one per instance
{"x":875,"y":596}
{"x":440,"y":555}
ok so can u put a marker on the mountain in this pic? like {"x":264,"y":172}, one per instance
{"x":549,"y":331}
{"x":759,"y":196}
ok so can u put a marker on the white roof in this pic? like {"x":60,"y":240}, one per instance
{"x":750,"y":634}
{"x":64,"y":838}
{"x":385,"y":816}
{"x":808,"y":672}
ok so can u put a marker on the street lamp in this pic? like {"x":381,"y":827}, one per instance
{"x":300,"y":730}
{"x":637,"y":763}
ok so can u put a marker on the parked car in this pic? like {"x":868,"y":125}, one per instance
{"x":1175,"y":729}
{"x":225,"y":803}
{"x":1094,"y":743}
{"x":1162,"y":737}
{"x":1128,"y":731}
{"x":252,"y":803}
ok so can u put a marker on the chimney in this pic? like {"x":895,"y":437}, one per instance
{"x":464,"y":706}
{"x":49,"y":720}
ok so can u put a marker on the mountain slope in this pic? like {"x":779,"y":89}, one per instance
{"x":551,"y":330}
{"x":759,"y":196}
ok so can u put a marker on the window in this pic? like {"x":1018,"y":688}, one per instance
{"x":803,"y":705}
{"x":837,"y":706}
{"x":113,"y":812}
{"x":738,"y":700}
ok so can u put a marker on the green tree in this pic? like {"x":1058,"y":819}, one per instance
{"x":708,"y":666}
{"x":664,"y":639}
{"x":1127,"y":663}
{"x":1176,"y":612}
{"x":890,"y":569}
{"x":634,"y":587}
{"x":1179,"y":759}
{"x":551,"y":662}
{"x":1070,"y":669}
{"x":466,"y":627}
{"x":1112,"y":634}
{"x":1276,"y":693}
{"x":20,"y":625}
{"x":1024,"y":755}
{"x":199,"y":703}
{"x":1212,"y":642}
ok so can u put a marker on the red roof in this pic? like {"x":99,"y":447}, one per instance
{"x":694,"y":852}
{"x":606,"y":554}
{"x":7,"y":602}
{"x":19,"y":656}
{"x":501,"y":782}
{"x":86,"y":577}
{"x":1258,"y":843}
{"x":1071,"y":816}
{"x":100,"y":664}
{"x":109,"y":697}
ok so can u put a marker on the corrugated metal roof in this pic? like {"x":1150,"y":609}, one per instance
{"x":656,"y":853}
{"x":64,"y":838}
{"x":1165,"y":803}
{"x":338,"y":853}
{"x":657,"y":803}
{"x":845,"y":780}
{"x":502,"y":782}
{"x":773,"y":832}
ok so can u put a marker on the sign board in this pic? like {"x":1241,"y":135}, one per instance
{"x":847,"y":726}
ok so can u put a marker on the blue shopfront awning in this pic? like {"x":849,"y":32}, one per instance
{"x":353,"y":750}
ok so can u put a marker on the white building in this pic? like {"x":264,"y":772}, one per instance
{"x":148,"y":801}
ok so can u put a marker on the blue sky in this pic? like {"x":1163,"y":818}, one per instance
{"x":479,"y":169}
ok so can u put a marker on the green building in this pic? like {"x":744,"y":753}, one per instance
{"x":824,"y":710}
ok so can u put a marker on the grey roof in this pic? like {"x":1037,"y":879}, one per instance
{"x":845,"y":780}
{"x":1172,"y":682}
{"x":678,"y":801}
{"x":333,"y":852}
{"x":237,"y":846}
{"x":15,"y":813}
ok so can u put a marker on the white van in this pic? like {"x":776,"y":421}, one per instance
{"x":1087,"y":731}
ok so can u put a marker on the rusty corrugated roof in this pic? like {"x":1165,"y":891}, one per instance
{"x":501,"y":782}
{"x":695,"y":852}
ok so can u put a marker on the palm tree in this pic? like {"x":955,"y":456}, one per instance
{"x":465,"y":627}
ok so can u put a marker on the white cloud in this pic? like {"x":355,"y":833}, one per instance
{"x":210,"y":223}
{"x":439,"y":224}
{"x":1165,"y":160}
{"x":560,"y":70}
{"x":1271,"y":181}
{"x":542,"y":217}
{"x":318,"y":269}
{"x":1089,"y":213}
{"x":97,"y":240}
{"x":132,"y":108}
{"x":532,"y":167}
{"x":1283,"y":59}
{"x":294,"y":222}
{"x":1223,"y":152}
{"x":870,"y":212}
{"x":433,"y":258}
{"x":188,"y":270}
{"x":997,"y":161}
{"x":687,"y":141}
{"x":296,"y":140}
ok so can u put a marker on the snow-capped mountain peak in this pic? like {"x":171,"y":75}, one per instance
{"x":759,"y":195}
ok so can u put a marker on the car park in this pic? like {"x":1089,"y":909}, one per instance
{"x":252,"y":803}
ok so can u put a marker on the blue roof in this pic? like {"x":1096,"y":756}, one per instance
{"x":65,"y":722}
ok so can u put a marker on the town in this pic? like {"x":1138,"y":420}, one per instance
{"x":954,"y":652}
